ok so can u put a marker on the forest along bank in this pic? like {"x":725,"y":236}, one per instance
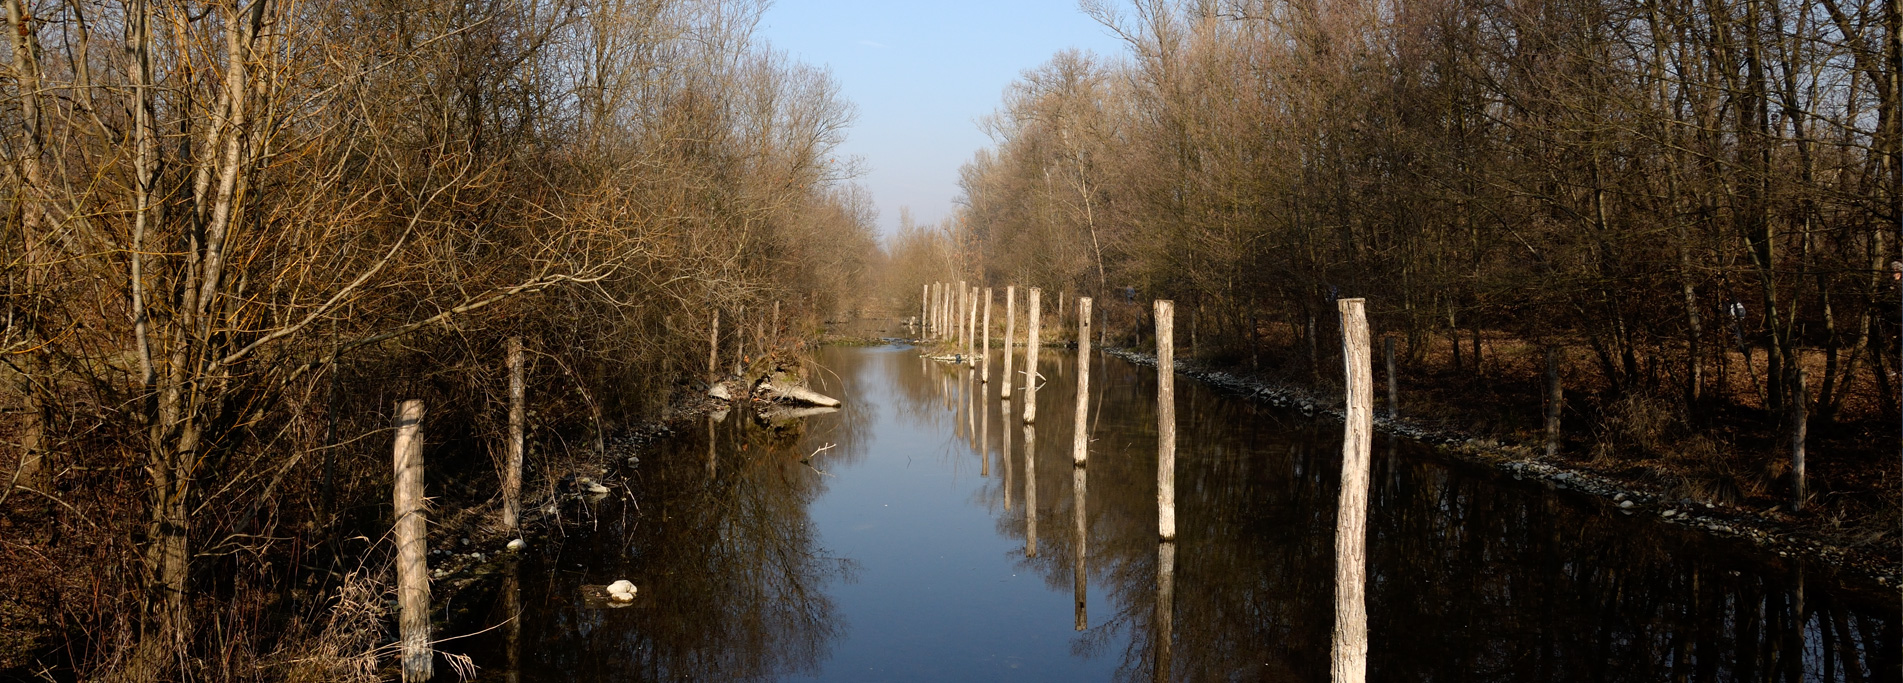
{"x":908,"y":548}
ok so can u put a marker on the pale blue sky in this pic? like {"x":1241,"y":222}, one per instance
{"x":921,"y":75}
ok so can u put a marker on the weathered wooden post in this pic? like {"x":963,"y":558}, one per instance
{"x":1555,"y":400}
{"x":1394,"y":390}
{"x":1800,"y":426}
{"x":1165,"y":619}
{"x":924,"y":308}
{"x":961,"y":302}
{"x":1166,"y":420}
{"x":1030,"y":360}
{"x":713,"y":349}
{"x":1030,"y":490}
{"x":412,"y":545}
{"x":1080,"y":441}
{"x":971,"y":330}
{"x":1079,"y":577}
{"x":1349,"y":654}
{"x":1010,"y":339}
{"x":512,"y":459}
{"x":773,"y":332}
{"x":984,"y":359}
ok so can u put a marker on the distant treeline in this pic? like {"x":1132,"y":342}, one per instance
{"x":236,"y":232}
{"x":1664,"y":189}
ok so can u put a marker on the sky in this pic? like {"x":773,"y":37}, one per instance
{"x":921,"y":75}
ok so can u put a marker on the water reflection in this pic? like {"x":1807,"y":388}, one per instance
{"x":1471,"y":576}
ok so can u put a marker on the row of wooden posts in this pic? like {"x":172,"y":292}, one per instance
{"x":948,"y":311}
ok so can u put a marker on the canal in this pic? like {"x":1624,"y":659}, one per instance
{"x":914,"y":536}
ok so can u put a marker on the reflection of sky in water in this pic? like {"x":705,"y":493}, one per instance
{"x":893,"y":558}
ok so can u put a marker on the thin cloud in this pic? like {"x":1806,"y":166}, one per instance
{"x":872,"y":44}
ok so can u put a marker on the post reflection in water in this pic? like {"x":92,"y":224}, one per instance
{"x":894,"y":565}
{"x":1079,"y":552}
{"x":1004,"y":447}
{"x":984,"y":440}
{"x":1030,"y":487}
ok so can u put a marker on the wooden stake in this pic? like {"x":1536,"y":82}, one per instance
{"x":984,"y":359}
{"x":1030,"y":360}
{"x":971,"y":329}
{"x":1394,"y":391}
{"x":1800,"y":427}
{"x":1010,"y":339}
{"x":1166,"y":420}
{"x":1555,"y":400}
{"x":1349,"y":654}
{"x":713,"y":349}
{"x":1030,"y":490}
{"x":924,"y":307}
{"x":960,"y":303}
{"x":512,"y":460}
{"x":1080,"y":441}
{"x":412,"y":545}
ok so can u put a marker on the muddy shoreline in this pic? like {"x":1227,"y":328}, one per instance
{"x":1861,"y":569}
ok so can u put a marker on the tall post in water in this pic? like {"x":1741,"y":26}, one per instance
{"x":1394,"y":391}
{"x":412,"y":545}
{"x":984,"y":359}
{"x":1800,"y":427}
{"x":1030,"y":360}
{"x":713,"y":349}
{"x":1080,"y":440}
{"x":971,"y":330}
{"x":1349,"y":653}
{"x":1555,"y":399}
{"x":1010,"y":340}
{"x":512,"y":458}
{"x":1166,"y":420}
{"x":924,"y":307}
{"x":960,"y":303}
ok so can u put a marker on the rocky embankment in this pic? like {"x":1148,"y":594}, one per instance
{"x":1524,"y":462}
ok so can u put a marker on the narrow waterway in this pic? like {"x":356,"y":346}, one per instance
{"x":923,"y":533}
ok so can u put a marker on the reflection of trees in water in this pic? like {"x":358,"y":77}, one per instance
{"x":733,"y":581}
{"x":1470,"y":578}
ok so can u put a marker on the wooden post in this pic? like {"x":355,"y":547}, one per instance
{"x":1010,"y":339}
{"x":924,"y":308}
{"x":412,"y":545}
{"x":1080,"y":441}
{"x":1394,"y":390}
{"x":1555,"y":399}
{"x":958,"y":316}
{"x":1079,"y":576}
{"x":1165,"y":620}
{"x":773,"y":333}
{"x":971,"y":329}
{"x":1349,"y":654}
{"x":984,"y":374}
{"x":1166,"y":420}
{"x":1030,"y":360}
{"x":713,"y":349}
{"x":1030,"y":490}
{"x":1800,"y":426}
{"x":512,"y":460}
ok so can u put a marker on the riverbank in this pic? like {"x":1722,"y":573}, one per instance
{"x":1858,"y":565}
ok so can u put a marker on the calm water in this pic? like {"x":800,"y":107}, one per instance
{"x":922,"y":544}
